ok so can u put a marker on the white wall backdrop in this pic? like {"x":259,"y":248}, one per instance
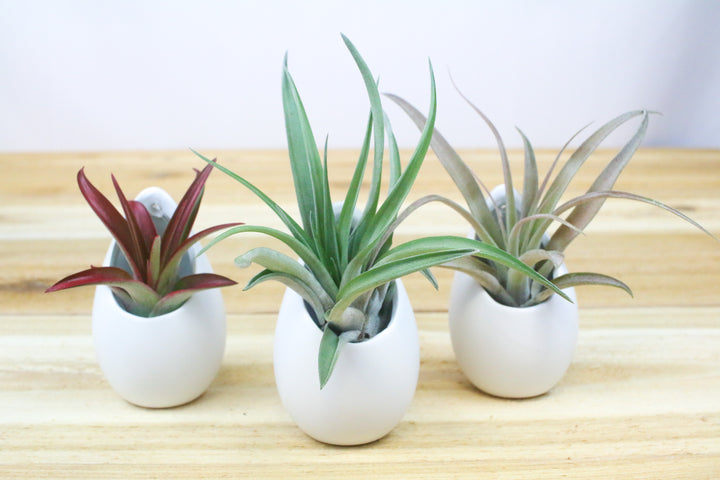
{"x":89,"y":75}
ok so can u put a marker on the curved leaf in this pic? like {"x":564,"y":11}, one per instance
{"x":281,"y":263}
{"x":578,"y":279}
{"x":459,"y":171}
{"x":306,"y":255}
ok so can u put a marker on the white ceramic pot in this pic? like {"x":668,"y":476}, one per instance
{"x":161,"y":361}
{"x":511,"y":352}
{"x":507,"y":351}
{"x":371,"y":387}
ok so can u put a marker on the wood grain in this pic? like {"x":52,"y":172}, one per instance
{"x":641,"y":399}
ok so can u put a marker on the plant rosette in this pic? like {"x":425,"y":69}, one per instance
{"x":373,"y":381}
{"x":166,"y":360}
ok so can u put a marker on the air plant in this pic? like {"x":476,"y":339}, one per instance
{"x":348,"y":263}
{"x":520,"y":224}
{"x":149,"y":278}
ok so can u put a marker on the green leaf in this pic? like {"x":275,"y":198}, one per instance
{"x":309,"y":257}
{"x":350,"y":203}
{"x":290,"y":281}
{"x":386,"y":272}
{"x":281,"y":263}
{"x":291,"y":224}
{"x":530,"y":183}
{"x":378,"y":131}
{"x":331,"y":345}
{"x":388,"y":210}
{"x":578,"y":279}
{"x":304,"y":157}
{"x":484,"y":275}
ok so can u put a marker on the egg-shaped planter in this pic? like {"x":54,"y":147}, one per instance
{"x":371,"y":387}
{"x":507,"y":351}
{"x":161,"y":361}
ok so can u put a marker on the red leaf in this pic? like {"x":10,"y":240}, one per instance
{"x":92,"y":276}
{"x":182,"y":220}
{"x":186,"y":287}
{"x":144,"y":222}
{"x":111,"y":218}
{"x":202,"y":281}
{"x":139,"y":249}
{"x":172,"y":263}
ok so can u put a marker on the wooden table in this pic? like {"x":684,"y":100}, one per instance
{"x":641,"y":399}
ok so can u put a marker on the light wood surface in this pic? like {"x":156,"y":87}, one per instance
{"x":641,"y":399}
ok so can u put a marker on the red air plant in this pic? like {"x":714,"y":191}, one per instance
{"x":152,"y":285}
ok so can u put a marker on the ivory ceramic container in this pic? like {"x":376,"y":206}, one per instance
{"x":507,"y":351}
{"x":371,"y":387}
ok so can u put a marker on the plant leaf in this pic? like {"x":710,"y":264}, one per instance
{"x":591,"y":196}
{"x":306,"y":255}
{"x":378,"y":131}
{"x":460,"y":173}
{"x":511,"y":215}
{"x":111,"y":218}
{"x":578,"y":279}
{"x":331,"y":344}
{"x":530,"y":182}
{"x":291,"y":224}
{"x":186,"y":287}
{"x":389,"y":209}
{"x":304,"y":157}
{"x":584,"y":213}
{"x":279,"y":262}
{"x":168,"y":270}
{"x":183,"y":218}
{"x":142,"y":295}
{"x":349,"y":205}
{"x":295,"y":284}
{"x":483,"y":274}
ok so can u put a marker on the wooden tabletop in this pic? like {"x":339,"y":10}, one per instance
{"x":641,"y":399}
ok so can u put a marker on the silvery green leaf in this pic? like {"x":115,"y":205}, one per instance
{"x":460,"y":173}
{"x":584,"y":213}
{"x":579,"y":278}
{"x":331,"y":345}
{"x":281,"y":263}
{"x":629,"y":196}
{"x":530,"y":183}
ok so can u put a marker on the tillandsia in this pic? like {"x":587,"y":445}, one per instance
{"x":348,"y":263}
{"x":148,"y":279}
{"x":520,"y":224}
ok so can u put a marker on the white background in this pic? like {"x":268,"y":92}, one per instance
{"x":100,"y":75}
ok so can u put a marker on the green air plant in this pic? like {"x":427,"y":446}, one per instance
{"x":347,"y":260}
{"x":521,"y":223}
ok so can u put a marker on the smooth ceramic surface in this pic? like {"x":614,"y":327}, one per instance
{"x":511,"y":352}
{"x":371,"y":387}
{"x":161,"y":361}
